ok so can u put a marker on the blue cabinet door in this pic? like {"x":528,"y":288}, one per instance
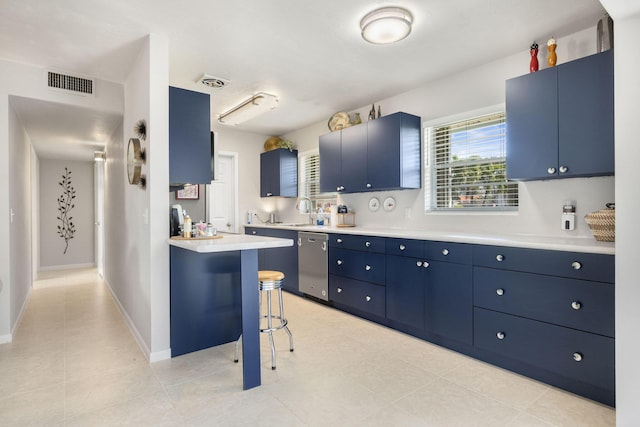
{"x":189,"y":137}
{"x":354,"y":159}
{"x":532,"y":125}
{"x":448,"y":301}
{"x":393,"y":152}
{"x":585,"y":103}
{"x":279,"y":173}
{"x":283,"y":259}
{"x":330,"y":150}
{"x":405,"y":291}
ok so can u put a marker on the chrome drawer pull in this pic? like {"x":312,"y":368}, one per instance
{"x":339,"y":290}
{"x":576,"y":305}
{"x":551,"y":171}
{"x":338,"y":240}
{"x":576,"y":265}
{"x":402,"y":247}
{"x":339,"y":262}
{"x":500,"y":258}
{"x":419,"y":263}
{"x":564,"y":169}
{"x":368,"y":298}
{"x":500,"y":291}
{"x":577,"y":357}
{"x":367,"y":267}
{"x":254,"y":232}
{"x":445,"y":252}
{"x":500,"y":335}
{"x":425,"y":264}
{"x":367,"y":244}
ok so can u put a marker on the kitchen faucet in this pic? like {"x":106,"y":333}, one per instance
{"x":309,"y":211}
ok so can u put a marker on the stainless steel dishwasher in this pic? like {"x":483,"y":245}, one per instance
{"x":312,"y":264}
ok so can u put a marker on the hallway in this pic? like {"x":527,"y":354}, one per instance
{"x":74,"y":362}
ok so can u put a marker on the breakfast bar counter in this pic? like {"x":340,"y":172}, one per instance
{"x":214,"y":296}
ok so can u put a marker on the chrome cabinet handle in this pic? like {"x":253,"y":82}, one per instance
{"x":551,"y":171}
{"x":419,"y":263}
{"x":500,"y":291}
{"x":338,"y":240}
{"x":564,"y":169}
{"x":339,"y":290}
{"x":339,"y":262}
{"x":324,"y":246}
{"x":445,"y":252}
{"x":368,"y":298}
{"x":576,"y":305}
{"x":403,"y":247}
{"x":576,"y":265}
{"x":269,"y":194}
{"x":368,"y":185}
{"x":500,"y":335}
{"x":254,"y":232}
{"x":499,"y":258}
{"x":299,"y":241}
{"x":425,"y":264}
{"x":577,"y":357}
{"x":367,"y":244}
{"x":367,"y":267}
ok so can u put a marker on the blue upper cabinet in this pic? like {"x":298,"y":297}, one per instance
{"x":560,"y":121}
{"x":382,"y":154}
{"x":189,"y":137}
{"x":279,"y":173}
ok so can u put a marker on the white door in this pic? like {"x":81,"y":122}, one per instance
{"x":99,"y":215}
{"x":222,"y":197}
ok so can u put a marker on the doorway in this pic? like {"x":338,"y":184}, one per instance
{"x":222,"y":197}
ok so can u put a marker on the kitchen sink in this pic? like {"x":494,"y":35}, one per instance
{"x":286,"y":224}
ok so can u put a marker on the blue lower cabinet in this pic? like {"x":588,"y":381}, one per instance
{"x":577,"y":355}
{"x":362,"y":296}
{"x":206,"y":299}
{"x":449,"y":301}
{"x":405,"y":289}
{"x":279,"y":259}
{"x":365,"y":266}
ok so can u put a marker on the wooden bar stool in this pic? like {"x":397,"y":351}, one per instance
{"x":268,"y":281}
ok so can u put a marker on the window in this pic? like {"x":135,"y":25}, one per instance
{"x":465,"y":166}
{"x":309,"y":182}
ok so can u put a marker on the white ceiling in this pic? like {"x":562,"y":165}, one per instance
{"x":309,"y":53}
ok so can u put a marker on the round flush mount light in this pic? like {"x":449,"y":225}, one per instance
{"x":386,"y":25}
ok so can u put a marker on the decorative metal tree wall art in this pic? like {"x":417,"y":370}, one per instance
{"x":66,"y":229}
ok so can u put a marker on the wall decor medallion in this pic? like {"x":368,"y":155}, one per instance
{"x":339,"y":121}
{"x":374,"y":204}
{"x":135,"y":160}
{"x":66,"y":229}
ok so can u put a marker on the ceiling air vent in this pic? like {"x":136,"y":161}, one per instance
{"x":69,"y":83}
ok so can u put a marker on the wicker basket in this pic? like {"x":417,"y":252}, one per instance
{"x":603,"y":223}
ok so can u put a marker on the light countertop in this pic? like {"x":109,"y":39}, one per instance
{"x":571,"y":244}
{"x":230,"y":242}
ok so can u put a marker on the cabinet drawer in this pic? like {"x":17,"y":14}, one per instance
{"x":358,"y":243}
{"x":254,"y":231}
{"x":574,"y":354}
{"x":579,"y":304}
{"x":577,"y":265}
{"x":358,"y":295}
{"x":405,"y":247}
{"x":365,"y":266}
{"x":448,"y":252}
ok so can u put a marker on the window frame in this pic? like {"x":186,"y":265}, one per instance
{"x":429,"y":174}
{"x":326,"y":199}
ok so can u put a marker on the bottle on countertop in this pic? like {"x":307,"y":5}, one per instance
{"x":186,"y":227}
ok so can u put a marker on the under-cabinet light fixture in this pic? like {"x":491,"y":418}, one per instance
{"x":386,"y":25}
{"x":258,"y":104}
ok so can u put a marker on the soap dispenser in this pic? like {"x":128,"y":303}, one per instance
{"x":569,"y":215}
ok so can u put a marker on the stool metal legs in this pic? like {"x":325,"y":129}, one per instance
{"x":268,"y":287}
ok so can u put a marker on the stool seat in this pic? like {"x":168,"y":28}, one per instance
{"x":270,"y":280}
{"x":270,"y":276}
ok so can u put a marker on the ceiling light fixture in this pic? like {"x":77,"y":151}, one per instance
{"x":386,"y":25}
{"x":258,"y":104}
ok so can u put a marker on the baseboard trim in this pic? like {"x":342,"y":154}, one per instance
{"x":19,"y":318}
{"x":67,"y":267}
{"x":157,"y":356}
{"x":7,"y":338}
{"x":134,"y":331}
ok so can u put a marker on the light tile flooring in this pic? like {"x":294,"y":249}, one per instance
{"x":73,"y":362}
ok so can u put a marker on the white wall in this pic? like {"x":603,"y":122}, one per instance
{"x":80,"y":251}
{"x":136,"y":220}
{"x":30,"y":82}
{"x":20,"y":205}
{"x":473,"y":90}
{"x":627,"y":94}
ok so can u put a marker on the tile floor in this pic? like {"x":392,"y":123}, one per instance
{"x":73,"y":362}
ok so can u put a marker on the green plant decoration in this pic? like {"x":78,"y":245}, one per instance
{"x":65,"y":204}
{"x":285,"y":143}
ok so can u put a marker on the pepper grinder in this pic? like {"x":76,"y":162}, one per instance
{"x":551,"y":47}
{"x":533,"y":65}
